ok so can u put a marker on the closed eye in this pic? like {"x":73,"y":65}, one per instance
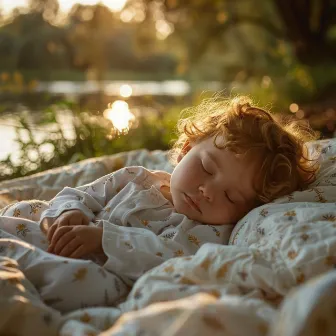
{"x":205,"y":169}
{"x":227,"y":196}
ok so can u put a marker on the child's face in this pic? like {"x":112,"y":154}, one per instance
{"x":212,"y":185}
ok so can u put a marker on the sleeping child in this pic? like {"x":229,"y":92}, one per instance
{"x":231,"y":157}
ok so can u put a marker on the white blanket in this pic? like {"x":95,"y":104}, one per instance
{"x":271,"y":280}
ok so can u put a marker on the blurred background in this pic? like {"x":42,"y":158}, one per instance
{"x":85,"y":78}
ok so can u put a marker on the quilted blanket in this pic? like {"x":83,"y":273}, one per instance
{"x":274,"y":278}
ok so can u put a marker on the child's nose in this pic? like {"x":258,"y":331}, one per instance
{"x":205,"y":192}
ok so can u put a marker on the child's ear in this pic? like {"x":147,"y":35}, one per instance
{"x":185,"y":149}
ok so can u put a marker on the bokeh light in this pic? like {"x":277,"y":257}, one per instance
{"x":114,"y":5}
{"x":163,"y":29}
{"x":293,"y":107}
{"x":300,"y":114}
{"x":120,"y":115}
{"x":125,"y":90}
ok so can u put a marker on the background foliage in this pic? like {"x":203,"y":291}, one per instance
{"x":283,"y":53}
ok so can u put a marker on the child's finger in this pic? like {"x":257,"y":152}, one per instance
{"x":78,"y":253}
{"x":51,"y":231}
{"x":69,"y":247}
{"x":56,"y":238}
{"x":63,"y":241}
{"x":59,"y":233}
{"x":85,"y":220}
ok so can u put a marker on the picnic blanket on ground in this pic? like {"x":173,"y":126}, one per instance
{"x":274,"y":278}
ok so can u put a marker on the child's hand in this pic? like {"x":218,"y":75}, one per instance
{"x":67,"y":218}
{"x":76,"y":241}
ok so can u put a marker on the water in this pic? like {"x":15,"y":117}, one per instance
{"x":112,"y":88}
{"x":177,"y":88}
{"x":8,"y":133}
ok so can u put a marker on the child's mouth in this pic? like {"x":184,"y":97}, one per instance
{"x":192,"y":204}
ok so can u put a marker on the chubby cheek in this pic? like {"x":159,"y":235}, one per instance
{"x":180,"y":178}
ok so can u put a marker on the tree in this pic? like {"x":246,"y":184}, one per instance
{"x":89,"y":31}
{"x":307,"y":25}
{"x":48,"y":8}
{"x":293,"y":41}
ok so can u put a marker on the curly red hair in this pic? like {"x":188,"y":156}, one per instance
{"x":279,"y":146}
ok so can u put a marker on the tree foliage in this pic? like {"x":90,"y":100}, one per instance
{"x":307,"y":25}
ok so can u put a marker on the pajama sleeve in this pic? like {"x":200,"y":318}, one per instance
{"x":133,"y":251}
{"x":91,"y":198}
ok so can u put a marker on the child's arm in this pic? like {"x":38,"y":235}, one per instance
{"x":90,"y":198}
{"x":133,"y":251}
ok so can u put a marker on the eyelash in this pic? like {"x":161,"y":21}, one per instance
{"x":205,"y":169}
{"x":227,"y":196}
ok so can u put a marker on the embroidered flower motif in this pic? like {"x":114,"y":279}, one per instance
{"x":129,"y":171}
{"x":169,"y":235}
{"x":263,"y":212}
{"x":300,"y":278}
{"x":304,"y":237}
{"x":34,"y":208}
{"x":186,"y":281}
{"x":16,"y":213}
{"x":319,"y":195}
{"x":179,"y":253}
{"x":169,"y":269}
{"x":144,"y":222}
{"x":193,"y":239}
{"x":85,"y":318}
{"x":128,"y":244}
{"x":261,"y":231}
{"x":215,"y":230}
{"x":109,"y":179}
{"x":292,"y":254}
{"x":223,"y":270}
{"x":291,"y":213}
{"x":206,"y":264}
{"x":21,"y":229}
{"x":80,"y":274}
{"x":216,"y":293}
{"x":333,"y":159}
{"x":330,"y":217}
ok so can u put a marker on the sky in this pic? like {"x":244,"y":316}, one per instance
{"x":65,"y":5}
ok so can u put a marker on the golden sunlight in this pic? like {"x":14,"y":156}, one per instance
{"x":114,"y":5}
{"x":125,"y":90}
{"x":120,"y":115}
{"x":65,"y":5}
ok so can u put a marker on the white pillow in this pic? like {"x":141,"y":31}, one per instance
{"x":304,"y":208}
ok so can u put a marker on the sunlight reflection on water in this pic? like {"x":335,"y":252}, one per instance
{"x":119,"y":114}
